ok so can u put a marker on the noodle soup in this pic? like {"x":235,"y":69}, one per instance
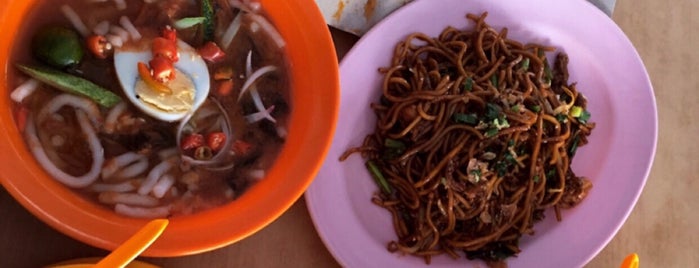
{"x":152,"y":109}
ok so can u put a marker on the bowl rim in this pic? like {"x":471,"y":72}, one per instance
{"x":310,"y":50}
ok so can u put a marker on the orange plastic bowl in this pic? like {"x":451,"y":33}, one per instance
{"x":315,"y":101}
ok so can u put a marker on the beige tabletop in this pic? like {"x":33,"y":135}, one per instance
{"x":662,"y":228}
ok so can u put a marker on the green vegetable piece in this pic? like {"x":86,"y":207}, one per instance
{"x":378,"y":177}
{"x":492,"y":111}
{"x":494,"y":80}
{"x":574,"y":145}
{"x":491,"y":132}
{"x":535,"y":108}
{"x":394,"y":144}
{"x":525,"y":64}
{"x":72,"y":84}
{"x":188,"y":22}
{"x":468,"y":84}
{"x":575,"y":112}
{"x":536,"y":179}
{"x":516,"y":108}
{"x":471,"y":119}
{"x":207,"y":11}
{"x":548,"y":74}
{"x":584,"y":117}
{"x":57,"y":46}
{"x":561,"y":117}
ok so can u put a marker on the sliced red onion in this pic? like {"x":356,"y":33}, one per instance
{"x":282,"y":132}
{"x":101,"y":28}
{"x":260,"y":106}
{"x":252,"y":78}
{"x":123,"y":34}
{"x":96,"y":150}
{"x":231,"y":32}
{"x":131,"y":199}
{"x":253,"y":118}
{"x":24,"y":90}
{"x":122,"y":187}
{"x":137,"y":212}
{"x":120,"y":4}
{"x":74,"y":19}
{"x":163,"y":186}
{"x":240,"y":5}
{"x":153,"y":176}
{"x":113,"y":116}
{"x":128,"y":25}
{"x":268,"y":28}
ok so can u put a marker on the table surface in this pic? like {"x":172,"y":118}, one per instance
{"x":662,"y":227}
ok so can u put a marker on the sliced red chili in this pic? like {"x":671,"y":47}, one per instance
{"x":192,"y":142}
{"x":225,"y":88}
{"x":215,"y":140}
{"x":170,"y":33}
{"x":166,"y":48}
{"x":163,"y":69}
{"x":211,"y":52}
{"x":241,"y":147}
{"x":99,"y":46}
{"x":147,"y":77}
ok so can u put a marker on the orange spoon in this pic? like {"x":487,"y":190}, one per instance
{"x":129,"y":250}
{"x":630,"y":261}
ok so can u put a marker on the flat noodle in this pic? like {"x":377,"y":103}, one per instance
{"x":474,"y":140}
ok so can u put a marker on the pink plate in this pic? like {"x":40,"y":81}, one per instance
{"x":617,"y":159}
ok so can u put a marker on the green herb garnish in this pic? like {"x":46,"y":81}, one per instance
{"x":468,"y":84}
{"x":584,"y":117}
{"x":378,"y":177}
{"x":471,"y":119}
{"x":188,"y":22}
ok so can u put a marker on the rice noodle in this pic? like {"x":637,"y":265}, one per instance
{"x":115,"y":40}
{"x":163,"y":186}
{"x":167,"y":153}
{"x":231,"y":32}
{"x":153,"y":176}
{"x":122,"y":187}
{"x":120,"y":4}
{"x":24,"y":90}
{"x":110,"y":121}
{"x":128,"y":199}
{"x":128,"y":25}
{"x":96,"y":150}
{"x":101,"y":28}
{"x":85,"y":105}
{"x":113,"y":165}
{"x":136,"y":212}
{"x":74,"y":19}
{"x":123,"y":34}
{"x":133,"y":170}
{"x":269,"y":29}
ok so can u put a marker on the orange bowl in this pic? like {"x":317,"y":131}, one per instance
{"x":315,"y":98}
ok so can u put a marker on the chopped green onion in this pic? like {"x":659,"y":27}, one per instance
{"x":188,"y":22}
{"x":550,"y":173}
{"x":394,"y":144}
{"x":476,"y":172}
{"x":378,"y":177}
{"x":536,"y":179}
{"x":525,"y":64}
{"x":574,"y":145}
{"x":491,"y":132}
{"x":492,"y":111}
{"x":540,"y":53}
{"x":501,"y":123}
{"x":470,"y":119}
{"x":548,"y":74}
{"x":468,"y":84}
{"x":535,"y":108}
{"x":584,"y":117}
{"x":516,"y":108}
{"x":511,"y":143}
{"x":576,"y":111}
{"x":494,"y":80}
{"x":561,"y":117}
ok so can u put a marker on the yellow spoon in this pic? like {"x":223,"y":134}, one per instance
{"x":630,"y":261}
{"x":129,"y":250}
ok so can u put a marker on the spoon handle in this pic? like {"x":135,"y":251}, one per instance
{"x":125,"y":253}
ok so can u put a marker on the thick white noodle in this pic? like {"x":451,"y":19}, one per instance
{"x":96,"y":150}
{"x":163,"y":186}
{"x":101,"y":28}
{"x":110,"y":121}
{"x":128,"y":25}
{"x":269,"y":29}
{"x":137,"y":212}
{"x":153,"y":176}
{"x":74,"y":19}
{"x":130,"y":199}
{"x":121,"y":187}
{"x":231,"y":32}
{"x":24,"y":90}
